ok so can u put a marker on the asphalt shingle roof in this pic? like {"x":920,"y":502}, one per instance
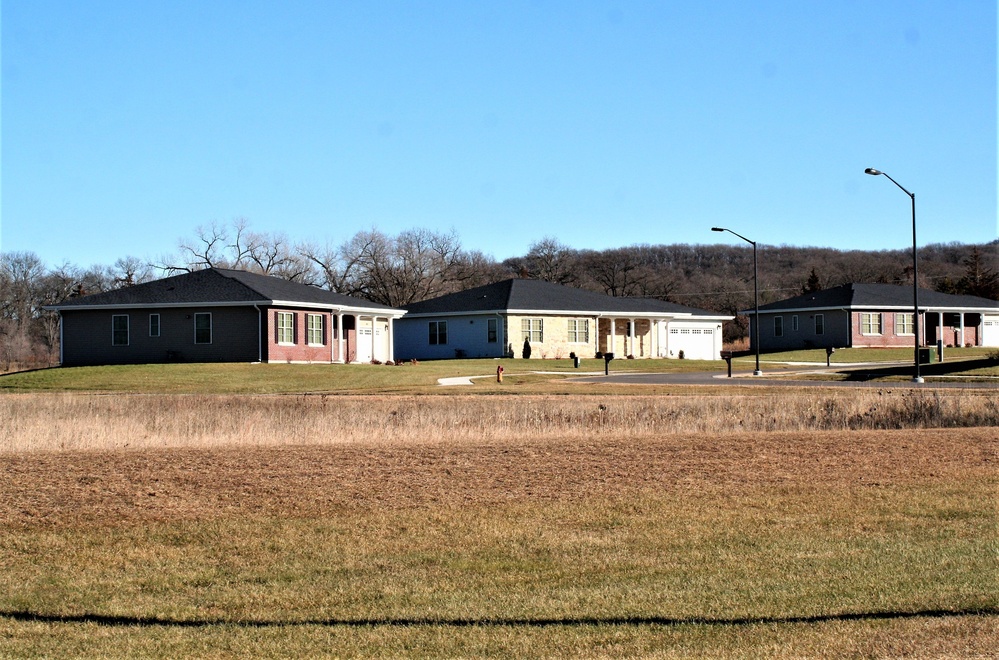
{"x":219,"y":286}
{"x":866,"y":295}
{"x":539,"y":296}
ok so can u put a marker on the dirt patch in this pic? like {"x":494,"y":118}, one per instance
{"x":126,"y":487}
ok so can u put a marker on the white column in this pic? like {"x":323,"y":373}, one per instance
{"x":339,"y":337}
{"x":940,"y":327}
{"x":613,"y":324}
{"x":960,"y":315}
{"x":631,"y":336}
{"x":374,"y":320}
{"x":391,"y":342}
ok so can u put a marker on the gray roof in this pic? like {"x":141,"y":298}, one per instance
{"x":538,"y":296}
{"x":218,"y":286}
{"x":872,"y":296}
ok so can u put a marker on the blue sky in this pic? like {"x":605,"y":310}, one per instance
{"x":126,"y":125}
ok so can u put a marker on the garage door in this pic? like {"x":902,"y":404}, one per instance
{"x":696,"y":342}
{"x":990,"y":331}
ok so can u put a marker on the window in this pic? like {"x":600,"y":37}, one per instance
{"x":203,"y":328}
{"x":285,"y":328}
{"x":438,"y":333}
{"x":491,"y":331}
{"x":533,"y":330}
{"x":870,"y":323}
{"x":794,"y":323}
{"x":903,"y":324}
{"x":119,"y":330}
{"x":316,"y":335}
{"x":579,"y":331}
{"x":154,"y":325}
{"x":778,"y":326}
{"x":820,"y":324}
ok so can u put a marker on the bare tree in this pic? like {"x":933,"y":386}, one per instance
{"x":551,"y":261}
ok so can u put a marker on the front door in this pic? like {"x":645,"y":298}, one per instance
{"x":364,"y":344}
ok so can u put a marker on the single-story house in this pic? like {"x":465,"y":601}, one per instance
{"x":220,"y":315}
{"x":855,"y":315}
{"x":556,"y":321}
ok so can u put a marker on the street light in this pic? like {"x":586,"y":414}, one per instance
{"x":915,"y":279}
{"x":756,"y":296}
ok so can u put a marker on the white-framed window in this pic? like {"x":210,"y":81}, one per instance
{"x":903,"y":324}
{"x":203,"y":328}
{"x":315,"y":330}
{"x":579,"y":331}
{"x":154,"y":325}
{"x":794,"y":323}
{"x":778,"y":326}
{"x":820,"y":324}
{"x":438,"y":333}
{"x":285,"y":328}
{"x":870,"y":323}
{"x":491,"y":336}
{"x":119,"y":330}
{"x":533,"y":330}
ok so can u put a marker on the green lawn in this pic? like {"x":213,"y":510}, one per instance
{"x":242,"y":378}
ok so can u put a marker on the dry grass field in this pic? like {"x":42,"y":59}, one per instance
{"x":834,"y":524}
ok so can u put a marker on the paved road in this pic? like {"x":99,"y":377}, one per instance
{"x":747,"y":379}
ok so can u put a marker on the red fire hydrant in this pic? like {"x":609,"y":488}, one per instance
{"x":499,"y":374}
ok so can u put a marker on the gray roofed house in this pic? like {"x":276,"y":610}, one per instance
{"x":861,"y":314}
{"x":221,"y":315}
{"x":556,"y":321}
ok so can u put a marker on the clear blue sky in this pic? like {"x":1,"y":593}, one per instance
{"x":126,"y":124}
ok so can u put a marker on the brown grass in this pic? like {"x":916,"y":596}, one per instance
{"x":122,"y":487}
{"x":495,"y":526}
{"x":71,"y":422}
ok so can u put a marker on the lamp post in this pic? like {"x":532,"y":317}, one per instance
{"x":756,"y":296}
{"x":915,"y":279}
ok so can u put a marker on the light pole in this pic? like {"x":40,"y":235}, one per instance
{"x":915,"y":278}
{"x":756,"y":296}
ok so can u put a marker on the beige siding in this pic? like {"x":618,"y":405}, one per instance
{"x":556,"y":342}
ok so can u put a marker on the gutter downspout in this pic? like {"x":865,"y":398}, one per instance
{"x":61,"y":342}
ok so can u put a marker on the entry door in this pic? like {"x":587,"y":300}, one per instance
{"x":990,"y":331}
{"x":364,"y":344}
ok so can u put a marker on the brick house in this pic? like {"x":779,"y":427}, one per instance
{"x":495,"y":320}
{"x":220,"y":315}
{"x":855,"y":315}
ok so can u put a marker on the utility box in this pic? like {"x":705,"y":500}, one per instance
{"x":925,"y":355}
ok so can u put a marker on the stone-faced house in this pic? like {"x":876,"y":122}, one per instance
{"x":220,"y":315}
{"x":556,"y":321}
{"x":855,"y":315}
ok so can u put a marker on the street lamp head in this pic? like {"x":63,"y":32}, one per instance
{"x":872,"y":171}
{"x":717,"y":229}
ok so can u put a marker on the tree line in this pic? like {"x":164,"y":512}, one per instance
{"x":419,"y":264}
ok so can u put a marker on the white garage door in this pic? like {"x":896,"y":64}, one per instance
{"x":696,"y":342}
{"x":990,"y":331}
